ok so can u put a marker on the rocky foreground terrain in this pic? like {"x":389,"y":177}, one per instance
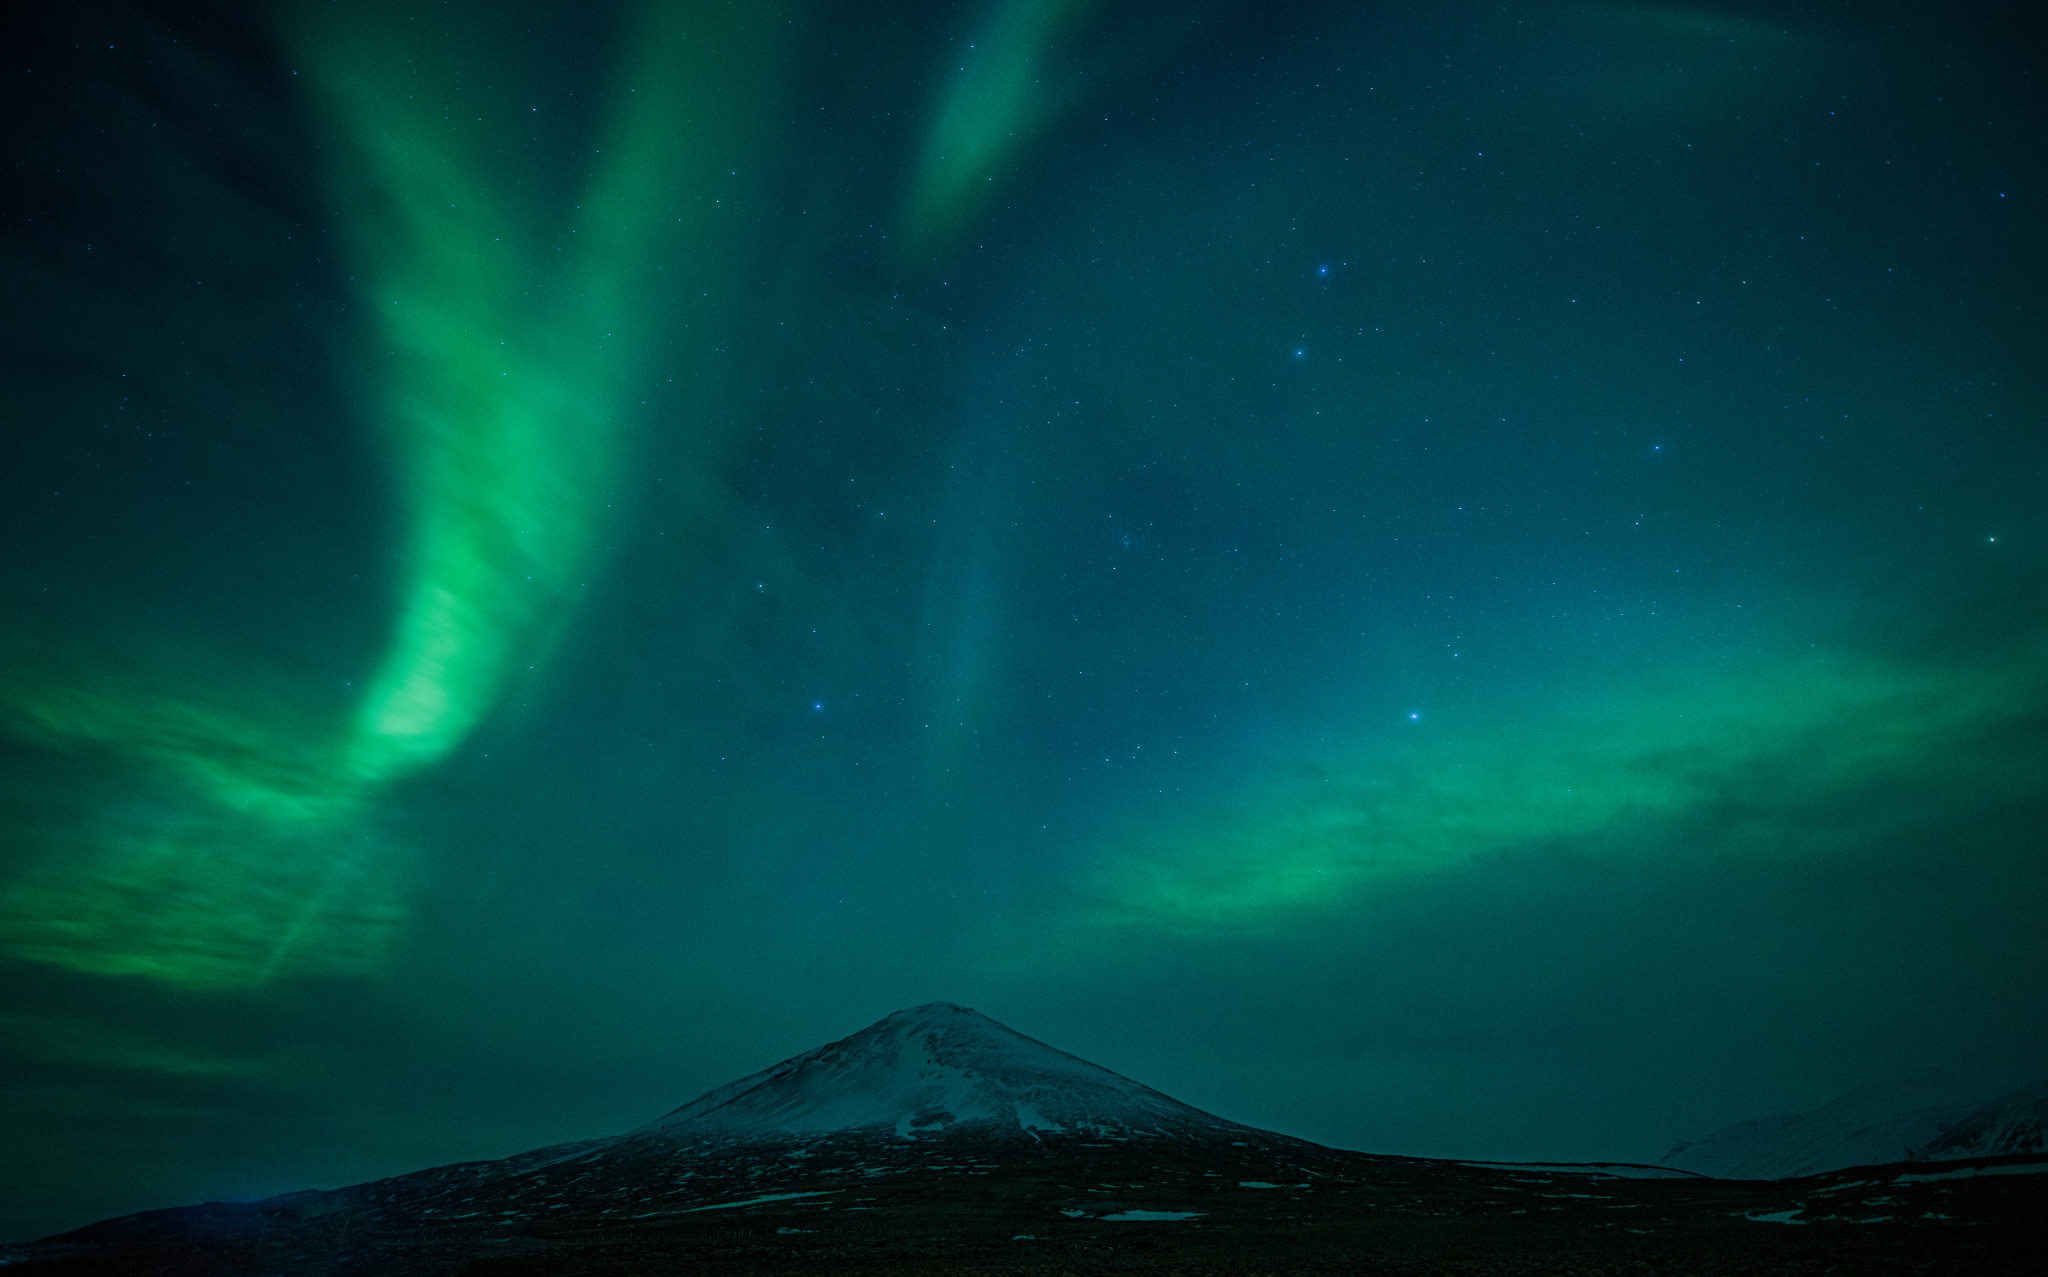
{"x":962,"y":1204}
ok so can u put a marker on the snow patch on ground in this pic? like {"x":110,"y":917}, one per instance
{"x":1615,"y":1170}
{"x":1967,"y":1172}
{"x":756,"y":1201}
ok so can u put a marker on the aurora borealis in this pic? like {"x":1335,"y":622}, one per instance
{"x":501,"y":366}
{"x":1450,"y":580}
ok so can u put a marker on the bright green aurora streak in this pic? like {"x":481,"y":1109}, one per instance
{"x":502,"y":374}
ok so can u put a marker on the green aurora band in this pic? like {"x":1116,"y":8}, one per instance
{"x":997,"y":103}
{"x":1788,"y":757}
{"x":1026,"y":68}
{"x":510,"y":338}
{"x":504,"y":370}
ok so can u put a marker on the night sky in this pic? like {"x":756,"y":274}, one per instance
{"x":1451,"y":579}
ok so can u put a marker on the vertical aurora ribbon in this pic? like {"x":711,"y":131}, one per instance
{"x":508,"y":335}
{"x":1002,"y":96}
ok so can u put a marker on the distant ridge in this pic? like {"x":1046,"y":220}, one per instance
{"x":2016,"y":1122}
{"x":1929,"y":1116}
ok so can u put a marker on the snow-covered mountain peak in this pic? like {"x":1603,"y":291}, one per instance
{"x":929,"y":1069}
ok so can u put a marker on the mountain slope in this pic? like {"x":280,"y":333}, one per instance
{"x":2016,"y":1122}
{"x":1717,"y":1153}
{"x":931,"y":1068}
{"x":1874,"y":1125}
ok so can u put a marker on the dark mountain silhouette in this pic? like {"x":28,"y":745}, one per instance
{"x":938,"y":1141}
{"x":931,"y":1068}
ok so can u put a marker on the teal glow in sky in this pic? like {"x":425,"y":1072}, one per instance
{"x":1448,"y":580}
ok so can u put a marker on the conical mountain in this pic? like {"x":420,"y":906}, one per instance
{"x":937,"y":1141}
{"x":931,"y":1069}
